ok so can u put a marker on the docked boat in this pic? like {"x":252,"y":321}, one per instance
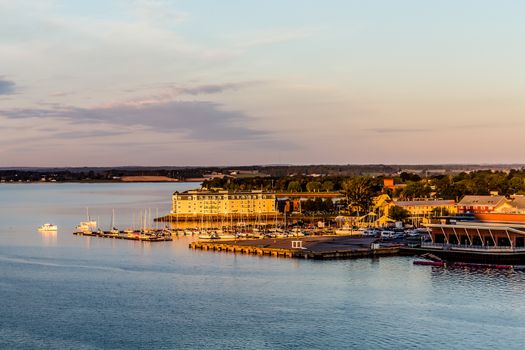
{"x":226,"y":236}
{"x":48,"y":228}
{"x":347,"y":231}
{"x":86,"y":226}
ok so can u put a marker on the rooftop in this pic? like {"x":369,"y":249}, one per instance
{"x":216,"y":192}
{"x":518,"y":202}
{"x":430,"y":202}
{"x":482,"y":200}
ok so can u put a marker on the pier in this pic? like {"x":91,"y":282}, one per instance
{"x":320,"y":248}
{"x":131,"y":236}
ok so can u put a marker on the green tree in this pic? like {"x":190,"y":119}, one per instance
{"x":308,"y":206}
{"x":439,"y":211}
{"x":328,"y":205}
{"x":360,"y":191}
{"x":409,"y":177}
{"x":314,"y":186}
{"x":516,"y":185}
{"x":416,"y":190}
{"x":398,"y":213}
{"x":294,"y":186}
{"x":328,"y":186}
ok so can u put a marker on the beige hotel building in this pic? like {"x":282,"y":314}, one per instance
{"x":223,"y":203}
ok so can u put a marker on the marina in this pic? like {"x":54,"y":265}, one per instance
{"x":90,"y":228}
{"x":153,"y":236}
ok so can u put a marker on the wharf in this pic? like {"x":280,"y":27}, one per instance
{"x":323,"y":247}
{"x":136,"y":236}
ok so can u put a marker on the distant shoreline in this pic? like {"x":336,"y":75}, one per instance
{"x":201,"y":174}
{"x":94,"y":181}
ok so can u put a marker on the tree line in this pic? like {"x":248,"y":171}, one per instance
{"x":359,"y":191}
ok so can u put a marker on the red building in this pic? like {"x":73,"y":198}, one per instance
{"x":481,"y":204}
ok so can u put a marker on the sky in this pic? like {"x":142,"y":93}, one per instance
{"x":243,"y":82}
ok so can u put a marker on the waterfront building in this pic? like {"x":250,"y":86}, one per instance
{"x":477,"y":241}
{"x":483,"y":204}
{"x":224,"y":203}
{"x":428,"y":207}
{"x":420,"y":210}
{"x":479,"y":234}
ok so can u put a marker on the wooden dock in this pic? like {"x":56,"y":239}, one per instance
{"x":125,"y":236}
{"x":324,"y":247}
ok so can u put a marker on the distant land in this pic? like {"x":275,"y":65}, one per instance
{"x":201,"y":173}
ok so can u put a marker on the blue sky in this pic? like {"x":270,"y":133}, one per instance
{"x":201,"y":82}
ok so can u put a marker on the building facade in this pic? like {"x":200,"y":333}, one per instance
{"x":482,"y":204}
{"x":428,"y":207}
{"x":223,"y":203}
{"x":479,"y":234}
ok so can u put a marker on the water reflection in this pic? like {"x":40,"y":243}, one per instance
{"x":49,"y":239}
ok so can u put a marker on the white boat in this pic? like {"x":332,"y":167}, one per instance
{"x":86,"y":226}
{"x":347,"y":231}
{"x":48,"y":228}
{"x":226,"y":236}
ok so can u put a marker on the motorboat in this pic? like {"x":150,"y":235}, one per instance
{"x":86,"y":226}
{"x":346,"y":230}
{"x":48,"y":228}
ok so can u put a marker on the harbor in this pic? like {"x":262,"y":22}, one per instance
{"x":248,"y":222}
{"x":158,"y":285}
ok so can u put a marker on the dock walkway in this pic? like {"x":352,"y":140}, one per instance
{"x":324,"y":247}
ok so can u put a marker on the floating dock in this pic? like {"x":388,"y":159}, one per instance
{"x":324,"y":247}
{"x":133,"y":236}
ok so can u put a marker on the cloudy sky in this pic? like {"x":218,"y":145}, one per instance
{"x":234,"y":82}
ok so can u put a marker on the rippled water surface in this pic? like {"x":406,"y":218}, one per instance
{"x":60,"y":291}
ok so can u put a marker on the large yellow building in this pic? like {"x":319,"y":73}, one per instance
{"x":427,"y":207}
{"x":223,"y":203}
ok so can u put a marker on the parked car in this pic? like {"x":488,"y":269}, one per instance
{"x":387,"y":234}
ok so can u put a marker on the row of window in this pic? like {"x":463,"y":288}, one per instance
{"x":226,"y":197}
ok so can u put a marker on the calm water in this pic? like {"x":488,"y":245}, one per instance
{"x":67,"y":292}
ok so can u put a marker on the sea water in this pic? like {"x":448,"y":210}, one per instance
{"x":60,"y":291}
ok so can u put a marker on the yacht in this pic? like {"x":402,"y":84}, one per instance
{"x":346,"y":230}
{"x":48,"y":228}
{"x":86,"y":226}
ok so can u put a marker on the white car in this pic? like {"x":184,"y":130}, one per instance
{"x":387,"y":234}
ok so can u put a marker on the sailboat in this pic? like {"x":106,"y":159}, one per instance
{"x":87,"y":226}
{"x":113,"y":232}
